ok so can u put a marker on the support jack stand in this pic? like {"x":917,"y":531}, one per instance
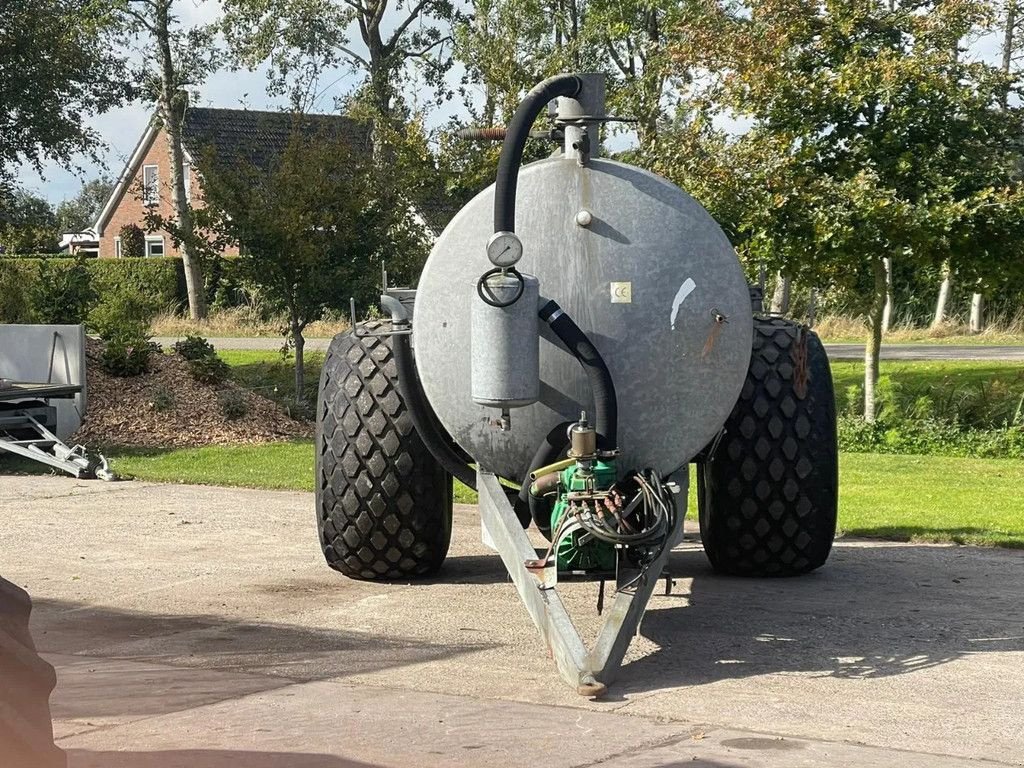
{"x":589,"y":671}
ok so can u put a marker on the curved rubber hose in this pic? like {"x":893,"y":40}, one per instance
{"x":517,"y":132}
{"x":528,"y":506}
{"x":606,"y":407}
{"x":422,"y":415}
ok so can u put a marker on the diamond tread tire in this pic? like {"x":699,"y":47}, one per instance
{"x":26,"y":680}
{"x":768,"y":497}
{"x":384,"y":504}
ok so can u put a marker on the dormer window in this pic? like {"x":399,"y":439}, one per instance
{"x":150,"y":185}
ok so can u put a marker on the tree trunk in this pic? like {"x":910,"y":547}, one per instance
{"x":943,"y":301}
{"x":874,"y":345}
{"x":300,"y":367}
{"x":172,"y":106}
{"x":812,"y":308}
{"x":780,"y":297}
{"x":977,"y":313}
{"x":887,"y":310}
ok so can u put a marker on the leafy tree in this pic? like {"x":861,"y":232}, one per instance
{"x":869,"y":138}
{"x":175,"y":59}
{"x":81,"y":211}
{"x":304,"y":40}
{"x":312,"y":227}
{"x":27,"y":224}
{"x":51,"y":79}
{"x":133,"y":241}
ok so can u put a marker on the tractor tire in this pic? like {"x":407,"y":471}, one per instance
{"x":384,"y":504}
{"x":768,"y":492}
{"x":26,"y":731}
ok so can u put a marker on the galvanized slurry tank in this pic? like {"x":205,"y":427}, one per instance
{"x":642,"y":269}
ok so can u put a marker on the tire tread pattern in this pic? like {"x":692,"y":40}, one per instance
{"x":384,"y":504}
{"x":768,"y":497}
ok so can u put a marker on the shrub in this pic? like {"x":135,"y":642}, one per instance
{"x":126,"y":357}
{"x":163,"y":399}
{"x":133,"y":241}
{"x":123,"y":315}
{"x":203,"y":362}
{"x":194,"y":348}
{"x":14,"y":303}
{"x":233,"y":404}
{"x":162,"y":280}
{"x":208,"y":370}
{"x":63,"y":293}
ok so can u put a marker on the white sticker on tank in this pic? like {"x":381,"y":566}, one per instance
{"x":622,"y":293}
{"x":684,"y":290}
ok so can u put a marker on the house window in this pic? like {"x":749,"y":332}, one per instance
{"x":117,"y":247}
{"x":186,"y":172}
{"x":155,"y":246}
{"x":150,"y":185}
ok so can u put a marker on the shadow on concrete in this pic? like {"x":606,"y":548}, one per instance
{"x":207,"y":758}
{"x":142,"y":656}
{"x":870,"y":612}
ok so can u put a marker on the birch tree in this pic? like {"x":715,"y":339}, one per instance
{"x":174,"y":59}
{"x":869,"y":138}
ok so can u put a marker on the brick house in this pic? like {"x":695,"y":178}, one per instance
{"x":144,"y":184}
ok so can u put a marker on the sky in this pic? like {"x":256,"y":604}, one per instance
{"x":121,"y":128}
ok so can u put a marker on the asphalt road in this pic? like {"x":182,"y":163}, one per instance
{"x":835,"y":351}
{"x":198,"y":627}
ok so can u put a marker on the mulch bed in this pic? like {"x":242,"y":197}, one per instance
{"x":125,"y":411}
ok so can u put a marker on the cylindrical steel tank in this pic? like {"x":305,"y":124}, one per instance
{"x":641,"y":268}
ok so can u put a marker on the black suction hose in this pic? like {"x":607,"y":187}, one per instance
{"x":516,"y":133}
{"x":422,"y":416}
{"x":606,"y":408}
{"x":551,"y":449}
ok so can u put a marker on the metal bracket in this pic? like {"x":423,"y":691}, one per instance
{"x":588,"y":671}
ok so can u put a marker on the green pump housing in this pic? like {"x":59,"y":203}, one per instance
{"x":594,"y":554}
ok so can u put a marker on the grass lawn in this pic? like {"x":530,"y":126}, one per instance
{"x":905,"y":498}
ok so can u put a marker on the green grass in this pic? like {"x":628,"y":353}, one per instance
{"x":921,"y":375}
{"x":904,"y":498}
{"x":270,"y":374}
{"x":284,"y":466}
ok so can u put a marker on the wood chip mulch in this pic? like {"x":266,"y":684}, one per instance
{"x":123,"y":411}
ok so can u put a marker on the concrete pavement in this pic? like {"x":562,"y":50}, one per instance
{"x":198,"y":627}
{"x":835,"y":351}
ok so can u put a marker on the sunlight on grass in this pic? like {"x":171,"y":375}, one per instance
{"x":906,"y":498}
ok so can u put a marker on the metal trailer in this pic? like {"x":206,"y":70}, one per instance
{"x":43,"y":397}
{"x":580,"y":334}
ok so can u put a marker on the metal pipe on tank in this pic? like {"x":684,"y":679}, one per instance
{"x":589,"y":105}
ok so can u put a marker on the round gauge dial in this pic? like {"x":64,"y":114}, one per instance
{"x":504,"y":249}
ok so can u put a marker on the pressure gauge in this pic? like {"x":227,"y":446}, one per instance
{"x":504,"y":249}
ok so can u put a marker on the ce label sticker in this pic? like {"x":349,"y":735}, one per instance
{"x":622,"y":293}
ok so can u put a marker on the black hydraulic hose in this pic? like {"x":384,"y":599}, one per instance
{"x":422,"y":414}
{"x":606,"y":408}
{"x":528,"y":506}
{"x":516,"y":133}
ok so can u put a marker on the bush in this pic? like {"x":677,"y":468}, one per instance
{"x":126,"y":357}
{"x":14,"y":303}
{"x":203,"y":362}
{"x":233,"y":404}
{"x":162,"y":280}
{"x":63,"y":293}
{"x":194,"y":348}
{"x":122,"y":315}
{"x":163,"y":399}
{"x":133,"y":241}
{"x":208,"y":370}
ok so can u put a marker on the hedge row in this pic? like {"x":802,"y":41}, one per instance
{"x":163,"y":279}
